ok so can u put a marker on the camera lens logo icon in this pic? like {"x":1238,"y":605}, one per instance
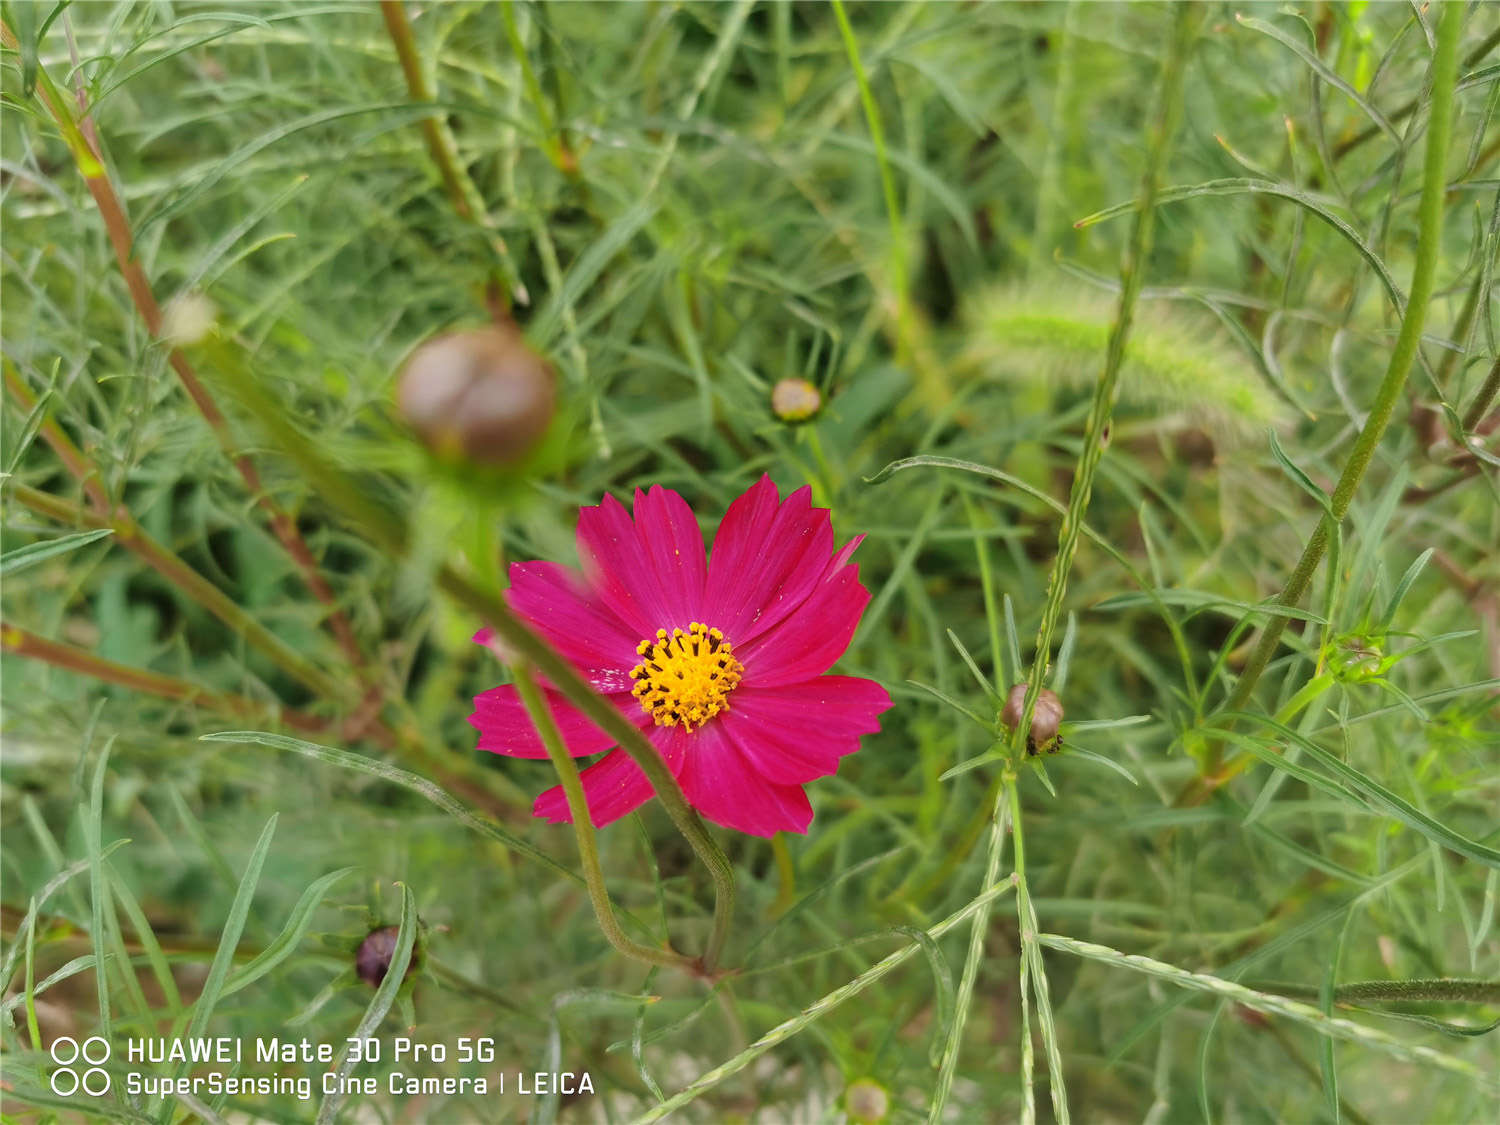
{"x":69,"y":1055}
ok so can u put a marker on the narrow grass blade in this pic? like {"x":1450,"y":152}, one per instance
{"x":13,"y":562}
{"x":1371,"y":793}
{"x":285,"y":943}
{"x":396,"y":776}
{"x":218,"y":970}
{"x":1305,"y":1014}
{"x":380,"y":1004}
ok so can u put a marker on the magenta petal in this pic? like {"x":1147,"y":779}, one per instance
{"x":798,"y":732}
{"x":673,"y":547}
{"x":613,"y":786}
{"x":505,"y":728}
{"x":807,"y":643}
{"x":619,"y":569}
{"x":766,"y":560}
{"x":719,"y":782}
{"x":573,"y":619}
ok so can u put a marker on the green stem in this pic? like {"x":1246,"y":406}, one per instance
{"x":1424,"y":271}
{"x":1481,"y":404}
{"x":882,"y":160}
{"x":583,"y":829}
{"x":467,"y":200}
{"x":90,"y":162}
{"x":188,"y":582}
{"x":1164,"y":124}
{"x":1031,"y":961}
{"x":1444,"y":990}
{"x":818,"y":1008}
{"x":971,"y":969}
{"x":342,"y":492}
{"x":565,"y":678}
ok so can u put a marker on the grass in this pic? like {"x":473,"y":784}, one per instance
{"x":1087,"y":441}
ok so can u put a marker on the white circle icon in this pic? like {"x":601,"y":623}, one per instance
{"x":64,"y":1082}
{"x":65,"y":1051}
{"x":64,"y":1044}
{"x":102,"y":1081}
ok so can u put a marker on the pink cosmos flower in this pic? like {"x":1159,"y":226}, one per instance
{"x":719,"y":659}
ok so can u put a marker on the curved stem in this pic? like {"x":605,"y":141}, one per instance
{"x":89,"y":158}
{"x":342,"y":492}
{"x":188,"y":582}
{"x":583,"y":829}
{"x":1424,"y":271}
{"x":572,"y":686}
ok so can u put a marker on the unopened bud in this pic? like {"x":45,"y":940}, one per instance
{"x":795,"y":400}
{"x":187,"y":319}
{"x":481,"y":394}
{"x":373,"y":959}
{"x":866,"y":1101}
{"x":1046,"y":718}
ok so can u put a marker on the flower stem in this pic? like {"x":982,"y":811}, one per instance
{"x":583,"y":829}
{"x":73,"y":459}
{"x":467,"y":200}
{"x":188,"y":582}
{"x":342,"y":492}
{"x":22,"y":642}
{"x":1163,"y":124}
{"x":90,"y":162}
{"x":1424,"y":271}
{"x":565,"y":678}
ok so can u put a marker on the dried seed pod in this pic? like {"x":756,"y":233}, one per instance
{"x":483,"y":395}
{"x":795,"y":400}
{"x":1046,"y":718}
{"x":373,"y":958}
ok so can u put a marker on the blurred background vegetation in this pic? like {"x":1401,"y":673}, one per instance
{"x":680,"y":205}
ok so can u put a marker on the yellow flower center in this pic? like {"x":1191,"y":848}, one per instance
{"x":685,"y":677}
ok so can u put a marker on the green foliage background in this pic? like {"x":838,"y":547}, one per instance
{"x":692,"y":199}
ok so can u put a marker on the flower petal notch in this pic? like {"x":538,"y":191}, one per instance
{"x":719,"y":658}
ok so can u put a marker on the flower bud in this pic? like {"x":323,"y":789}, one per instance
{"x":480,"y":394}
{"x":1046,"y":718}
{"x":795,"y":400}
{"x":373,"y":958}
{"x":866,"y":1101}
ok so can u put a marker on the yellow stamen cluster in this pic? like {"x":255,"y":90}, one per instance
{"x":685,"y":677}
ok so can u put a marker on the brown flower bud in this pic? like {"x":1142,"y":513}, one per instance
{"x":795,"y":400}
{"x":1046,"y":718}
{"x":373,"y":958}
{"x":481,"y":394}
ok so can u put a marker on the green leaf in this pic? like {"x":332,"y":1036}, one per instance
{"x":386,"y":772}
{"x":1315,"y":205}
{"x":1301,"y":479}
{"x":951,"y":702}
{"x":229,"y":940}
{"x":1354,"y":783}
{"x":380,"y":1003}
{"x":1404,"y":587}
{"x":33,"y":553}
{"x":285,"y":943}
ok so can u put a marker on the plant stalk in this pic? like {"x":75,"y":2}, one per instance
{"x":22,"y":642}
{"x":583,"y":829}
{"x":90,"y":162}
{"x":1424,"y":272}
{"x":340,"y":491}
